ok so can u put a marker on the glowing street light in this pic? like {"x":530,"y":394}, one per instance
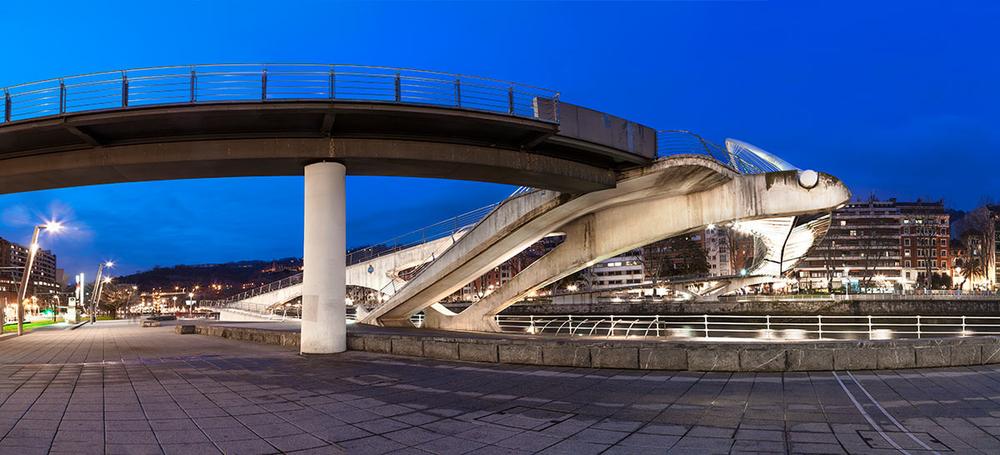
{"x":95,"y":294}
{"x":51,"y":227}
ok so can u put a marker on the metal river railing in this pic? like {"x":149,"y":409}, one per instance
{"x":766,"y":327}
{"x":189,"y":84}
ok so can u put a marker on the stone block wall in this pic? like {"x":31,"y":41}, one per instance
{"x":656,"y":355}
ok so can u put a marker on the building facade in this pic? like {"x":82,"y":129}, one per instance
{"x":616,"y":272}
{"x":926,"y":238}
{"x":879,"y":246}
{"x":43,"y":279}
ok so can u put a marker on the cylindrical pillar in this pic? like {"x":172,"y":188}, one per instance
{"x":324,"y":329}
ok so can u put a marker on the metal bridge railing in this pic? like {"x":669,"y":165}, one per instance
{"x":766,"y":327}
{"x":270,"y":287}
{"x":682,"y":142}
{"x":429,"y":233}
{"x":190,"y":84}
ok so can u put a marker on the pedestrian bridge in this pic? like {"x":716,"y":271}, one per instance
{"x":264,"y":120}
{"x":598,"y":178}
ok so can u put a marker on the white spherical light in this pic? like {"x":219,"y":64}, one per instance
{"x":808,"y":179}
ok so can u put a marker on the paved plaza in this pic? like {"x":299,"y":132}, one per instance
{"x":116,"y":388}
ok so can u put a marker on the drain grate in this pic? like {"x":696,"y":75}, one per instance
{"x":876,"y":441}
{"x":375,"y":380}
{"x":526,"y":418}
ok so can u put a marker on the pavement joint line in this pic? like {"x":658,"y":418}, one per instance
{"x":891,"y":418}
{"x":868,"y":417}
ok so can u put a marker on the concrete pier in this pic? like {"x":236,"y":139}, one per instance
{"x":324,"y":330}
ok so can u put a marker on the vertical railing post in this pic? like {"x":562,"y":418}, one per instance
{"x":263,"y":85}
{"x":124,"y":90}
{"x":611,"y":330}
{"x":531,"y":324}
{"x":705,"y":320}
{"x":570,"y":323}
{"x":656,"y":320}
{"x":333,"y":83}
{"x":193,"y":87}
{"x":963,"y":326}
{"x":919,"y":328}
{"x":767,"y":329}
{"x":819,"y":322}
{"x":458,"y":93}
{"x":6,"y":105}
{"x":510,"y":100}
{"x":869,"y":327}
{"x":398,"y":88}
{"x":62,"y":96}
{"x":555,"y":108}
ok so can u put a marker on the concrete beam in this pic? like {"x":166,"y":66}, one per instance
{"x":288,"y":156}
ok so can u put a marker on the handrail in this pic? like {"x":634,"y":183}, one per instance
{"x":757,"y":327}
{"x":440,"y":229}
{"x":263,"y":82}
{"x":683,"y":142}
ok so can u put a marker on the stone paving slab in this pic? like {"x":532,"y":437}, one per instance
{"x":116,"y":388}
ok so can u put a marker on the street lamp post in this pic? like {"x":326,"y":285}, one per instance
{"x":53,"y":227}
{"x":95,"y":294}
{"x":128,"y":302}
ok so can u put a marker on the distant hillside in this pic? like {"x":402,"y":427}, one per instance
{"x":214,"y":280}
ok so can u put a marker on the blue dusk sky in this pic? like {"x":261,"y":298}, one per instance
{"x":899,"y":99}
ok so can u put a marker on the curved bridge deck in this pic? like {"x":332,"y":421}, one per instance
{"x":251,"y":120}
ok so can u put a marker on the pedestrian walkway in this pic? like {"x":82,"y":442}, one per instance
{"x":116,"y":388}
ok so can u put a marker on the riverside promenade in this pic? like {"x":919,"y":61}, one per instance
{"x":116,"y":388}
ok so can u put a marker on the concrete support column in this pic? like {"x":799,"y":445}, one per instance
{"x":324,"y":330}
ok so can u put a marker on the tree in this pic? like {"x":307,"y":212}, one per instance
{"x":683,"y":256}
{"x":973,"y":268}
{"x":978,"y":232}
{"x":940,"y":281}
{"x":115,"y":297}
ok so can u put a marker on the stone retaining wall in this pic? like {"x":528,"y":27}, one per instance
{"x":276,"y":337}
{"x":659,"y":355}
